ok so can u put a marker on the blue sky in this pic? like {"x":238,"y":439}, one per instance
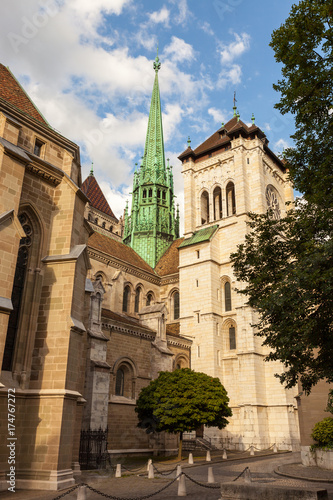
{"x":87,"y":64}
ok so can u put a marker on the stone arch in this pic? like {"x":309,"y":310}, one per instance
{"x":273,"y":201}
{"x":138,"y":298}
{"x":229,"y":332}
{"x":125,"y":375}
{"x":230,"y":198}
{"x":181,"y":361}
{"x":174,"y":304}
{"x":204,"y":206}
{"x":217,"y":202}
{"x":150,"y":298}
{"x":127,"y":297}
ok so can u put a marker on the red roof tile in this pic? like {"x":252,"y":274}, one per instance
{"x":169,"y":262}
{"x":119,"y":250}
{"x":12,"y":92}
{"x":91,"y":189}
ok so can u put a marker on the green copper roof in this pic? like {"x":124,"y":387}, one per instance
{"x":200,"y":236}
{"x":153,"y":157}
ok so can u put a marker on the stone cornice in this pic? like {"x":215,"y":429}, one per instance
{"x":41,"y":168}
{"x":129,"y":330}
{"x":179,"y":342}
{"x":109,"y":260}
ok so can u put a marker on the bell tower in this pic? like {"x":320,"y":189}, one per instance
{"x":152,"y":224}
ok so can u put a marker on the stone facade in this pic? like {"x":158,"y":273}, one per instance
{"x":230,"y":174}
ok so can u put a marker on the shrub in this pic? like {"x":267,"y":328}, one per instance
{"x":323,"y":433}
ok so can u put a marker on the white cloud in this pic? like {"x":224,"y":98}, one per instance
{"x":267,"y":126}
{"x":179,"y":50}
{"x":218,"y":115}
{"x":116,"y":198}
{"x":160,"y":17}
{"x":280,"y":145}
{"x":234,"y":49}
{"x":229,"y":75}
{"x":205,"y":26}
{"x":184,"y":12}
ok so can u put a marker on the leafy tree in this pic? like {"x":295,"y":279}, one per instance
{"x":304,"y":45}
{"x":182,"y":401}
{"x":287,"y":264}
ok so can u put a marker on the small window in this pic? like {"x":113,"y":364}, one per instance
{"x":197,"y":283}
{"x":248,"y":161}
{"x":227,"y":296}
{"x":198,"y":254}
{"x":120,"y":382}
{"x":137,"y":299}
{"x":126,"y":296}
{"x":163,"y":195}
{"x":103,"y":224}
{"x":150,"y":193}
{"x":158,"y":194}
{"x":176,"y":305}
{"x":231,"y":199}
{"x":198,"y":351}
{"x":38,"y":147}
{"x":144,"y":194}
{"x":96,"y":221}
{"x":198,"y":317}
{"x":149,"y":299}
{"x":232,"y":338}
{"x":111,"y":228}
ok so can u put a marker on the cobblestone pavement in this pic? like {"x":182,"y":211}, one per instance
{"x":134,"y":483}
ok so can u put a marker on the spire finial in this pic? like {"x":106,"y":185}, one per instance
{"x":238,"y":116}
{"x":235,"y":100}
{"x":253,"y":119}
{"x":189,"y":142}
{"x":157,"y":63}
{"x":92,"y":168}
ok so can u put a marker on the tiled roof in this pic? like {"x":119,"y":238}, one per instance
{"x":169,"y":262}
{"x":91,"y":189}
{"x":119,"y":250}
{"x":123,"y":319}
{"x":12,"y":92}
{"x":200,"y":236}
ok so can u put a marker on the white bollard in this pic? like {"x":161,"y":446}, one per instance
{"x":118,"y":470}
{"x":210,"y":475}
{"x":182,"y":486}
{"x":151,"y":472}
{"x":224,"y":455}
{"x":251,"y":450}
{"x":178,"y":471}
{"x":148,"y":464}
{"x":247,"y":476}
{"x":82,"y":493}
{"x":275,"y":450}
{"x":190,"y":459}
{"x":208,"y":459}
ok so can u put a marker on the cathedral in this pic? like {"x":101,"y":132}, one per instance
{"x":92,"y":307}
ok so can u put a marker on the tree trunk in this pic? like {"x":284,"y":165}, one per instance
{"x":180,"y":449}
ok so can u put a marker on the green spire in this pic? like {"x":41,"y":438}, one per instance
{"x":92,"y":169}
{"x":152,"y":225}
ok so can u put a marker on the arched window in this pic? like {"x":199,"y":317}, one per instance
{"x":227,"y":297}
{"x":231,"y":200}
{"x":96,"y":221}
{"x":120,"y":377}
{"x":163,"y":195}
{"x":144,"y":194}
{"x":149,"y":299}
{"x":204,"y":207}
{"x":175,"y":298}
{"x":126,"y":296}
{"x":158,"y":193}
{"x":273,"y":202}
{"x":17,"y":292}
{"x":150,"y":193}
{"x":89,"y":217}
{"x":103,"y":224}
{"x":232,"y":337}
{"x":217,"y":197}
{"x":137,"y":299}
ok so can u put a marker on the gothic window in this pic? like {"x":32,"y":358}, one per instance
{"x":149,"y":299}
{"x":231,"y":201}
{"x":150,"y":193}
{"x":120,"y":382}
{"x":144,"y":194}
{"x":227,"y":296}
{"x":175,"y":298}
{"x":158,"y":193}
{"x":217,"y":197}
{"x":204,"y":207}
{"x":232,"y":337}
{"x":126,"y":296}
{"x":273,"y":202}
{"x":137,"y":299}
{"x":163,"y":195}
{"x":17,"y":292}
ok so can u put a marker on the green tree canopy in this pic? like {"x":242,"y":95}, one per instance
{"x":304,"y":45}
{"x":182,"y":401}
{"x":287,"y":264}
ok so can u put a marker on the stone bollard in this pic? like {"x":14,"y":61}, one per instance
{"x":208,"y":459}
{"x":190,"y":459}
{"x":275,"y":450}
{"x":82,"y":493}
{"x":151,"y":472}
{"x":247,"y":476}
{"x":148,"y":464}
{"x":224,"y":455}
{"x":178,"y":471}
{"x":210,"y":475}
{"x":251,"y":450}
{"x":118,"y":470}
{"x":182,"y":486}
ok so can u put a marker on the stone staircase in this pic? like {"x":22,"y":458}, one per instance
{"x":198,"y":444}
